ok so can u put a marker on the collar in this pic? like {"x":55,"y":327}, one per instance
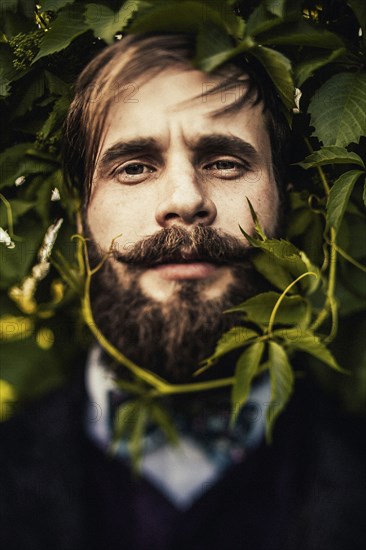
{"x":184,"y":472}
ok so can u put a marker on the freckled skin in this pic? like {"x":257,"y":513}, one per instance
{"x":143,"y":193}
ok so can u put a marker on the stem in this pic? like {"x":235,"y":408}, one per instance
{"x":279,"y":301}
{"x":349,"y":258}
{"x":9,"y":214}
{"x":330,"y":303}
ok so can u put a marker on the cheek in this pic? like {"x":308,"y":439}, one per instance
{"x":106,"y":217}
{"x":113,"y":214}
{"x":233,"y":208}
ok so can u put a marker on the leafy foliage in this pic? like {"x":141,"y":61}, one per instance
{"x":318,"y":277}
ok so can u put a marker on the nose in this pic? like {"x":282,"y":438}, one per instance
{"x":184,"y":201}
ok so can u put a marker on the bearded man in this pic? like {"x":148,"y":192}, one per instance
{"x":168,"y":157}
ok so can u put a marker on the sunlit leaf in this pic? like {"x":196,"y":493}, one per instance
{"x":105,"y":23}
{"x":307,"y":68}
{"x":301,"y":33}
{"x":281,"y":263}
{"x":308,"y":342}
{"x":338,"y":109}
{"x":282,"y":383}
{"x":188,"y":16}
{"x":339,"y":196}
{"x":331,"y":155}
{"x":294,"y":309}
{"x":69,"y":25}
{"x":278,"y":68}
{"x":214,"y":47}
{"x":246,"y":368}
{"x":235,"y":338}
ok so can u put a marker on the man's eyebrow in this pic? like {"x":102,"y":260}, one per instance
{"x":123,"y":148}
{"x":222,"y":143}
{"x":203,"y":145}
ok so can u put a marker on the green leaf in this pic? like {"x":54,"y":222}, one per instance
{"x":165,"y":422}
{"x":105,"y":23}
{"x":18,"y":209}
{"x":299,"y":221}
{"x":282,"y":383}
{"x":246,"y":368}
{"x":301,"y":33}
{"x":276,"y":7}
{"x":261,"y":20}
{"x":14,"y":162}
{"x":339,"y":196}
{"x":278,"y":68}
{"x":359,"y":9}
{"x":213,"y":47}
{"x":55,"y":85}
{"x":306,"y":69}
{"x":293,"y":310}
{"x":34,"y":90}
{"x":125,"y":419}
{"x":235,"y":338}
{"x":338,"y":109}
{"x":16,"y":262}
{"x":281,"y":263}
{"x":272,"y":271}
{"x":135,"y":443}
{"x":331,"y":155}
{"x":69,"y":25}
{"x":187,"y":16}
{"x":257,"y":225}
{"x":56,"y":117}
{"x":309,"y":343}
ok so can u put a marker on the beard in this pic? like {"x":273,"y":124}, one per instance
{"x":169,"y":338}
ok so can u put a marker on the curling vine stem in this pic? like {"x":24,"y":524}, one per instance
{"x":279,"y":301}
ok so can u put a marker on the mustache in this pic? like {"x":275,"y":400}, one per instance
{"x":177,"y":244}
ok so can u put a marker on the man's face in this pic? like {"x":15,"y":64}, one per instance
{"x":167,"y":162}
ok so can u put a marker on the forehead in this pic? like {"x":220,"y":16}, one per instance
{"x":179,"y":104}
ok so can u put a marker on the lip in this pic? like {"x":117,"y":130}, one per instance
{"x":188,"y":270}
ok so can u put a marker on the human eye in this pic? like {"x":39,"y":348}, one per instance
{"x":132,"y":172}
{"x":226,"y":168}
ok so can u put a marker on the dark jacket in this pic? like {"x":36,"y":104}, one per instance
{"x":304,"y":492}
